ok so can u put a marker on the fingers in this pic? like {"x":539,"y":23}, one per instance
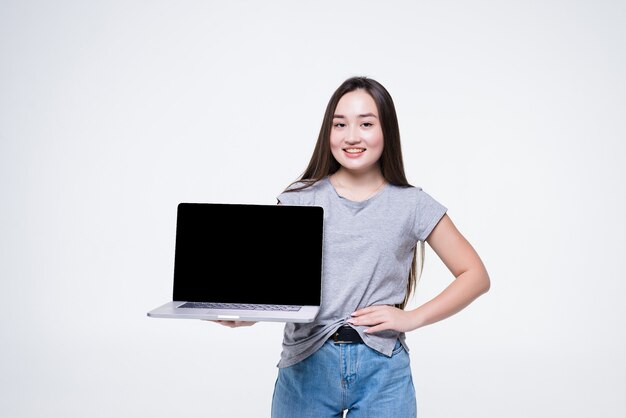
{"x":236,"y":324}
{"x":233,"y":324}
{"x":375,"y":321}
{"x":245,"y":323}
{"x":367,"y":310}
{"x":376,"y":328}
{"x":377,"y":318}
{"x":369,"y":316}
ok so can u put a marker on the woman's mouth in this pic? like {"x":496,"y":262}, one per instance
{"x":353,"y":152}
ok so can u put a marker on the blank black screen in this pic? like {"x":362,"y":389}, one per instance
{"x":243,"y":253}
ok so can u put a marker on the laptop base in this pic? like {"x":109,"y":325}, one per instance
{"x":172,"y":310}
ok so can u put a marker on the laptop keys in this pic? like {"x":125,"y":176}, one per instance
{"x":212,"y":305}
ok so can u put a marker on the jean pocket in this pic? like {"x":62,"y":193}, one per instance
{"x":398,"y":348}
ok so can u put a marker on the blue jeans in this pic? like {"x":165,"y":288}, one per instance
{"x":349,"y":377}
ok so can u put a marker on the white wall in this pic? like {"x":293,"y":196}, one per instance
{"x":512,"y":115}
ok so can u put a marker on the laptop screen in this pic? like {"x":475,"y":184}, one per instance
{"x":248,"y":253}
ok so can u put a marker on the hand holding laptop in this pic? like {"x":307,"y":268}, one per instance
{"x":233,"y":324}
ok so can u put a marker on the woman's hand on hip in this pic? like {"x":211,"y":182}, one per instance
{"x":383,"y":317}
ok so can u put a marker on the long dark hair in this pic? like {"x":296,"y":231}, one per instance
{"x":323,"y":163}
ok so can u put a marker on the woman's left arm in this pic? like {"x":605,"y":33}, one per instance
{"x":471,"y":281}
{"x":471,"y":277}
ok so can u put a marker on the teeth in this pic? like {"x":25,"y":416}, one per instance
{"x":354,"y":150}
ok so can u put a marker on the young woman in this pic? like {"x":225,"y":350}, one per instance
{"x":354,"y":356}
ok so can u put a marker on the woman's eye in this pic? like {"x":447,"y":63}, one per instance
{"x":339,"y":125}
{"x":367,"y":124}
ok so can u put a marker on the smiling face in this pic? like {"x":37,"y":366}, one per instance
{"x":356,"y":137}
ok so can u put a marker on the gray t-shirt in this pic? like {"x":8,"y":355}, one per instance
{"x":368,"y":249}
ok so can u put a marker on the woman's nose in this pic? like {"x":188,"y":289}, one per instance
{"x":352,"y":136}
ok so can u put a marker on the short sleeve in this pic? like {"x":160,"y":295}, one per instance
{"x":428,"y":213}
{"x":289,"y":198}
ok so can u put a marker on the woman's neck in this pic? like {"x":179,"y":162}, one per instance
{"x":357,"y":187}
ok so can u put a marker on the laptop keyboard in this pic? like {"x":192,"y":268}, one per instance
{"x":212,"y":305}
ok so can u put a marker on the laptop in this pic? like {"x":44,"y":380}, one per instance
{"x":246,"y":262}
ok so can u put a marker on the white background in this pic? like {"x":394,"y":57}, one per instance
{"x":512,"y":114}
